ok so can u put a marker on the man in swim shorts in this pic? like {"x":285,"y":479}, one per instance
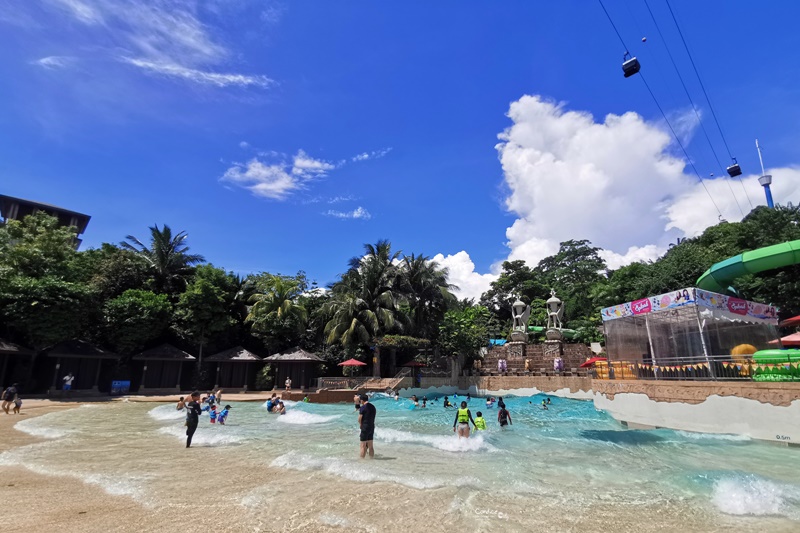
{"x":366,"y":421}
{"x":463,"y":418}
{"x":193,"y":411}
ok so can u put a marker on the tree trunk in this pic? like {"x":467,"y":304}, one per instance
{"x":376,"y":362}
{"x":458,"y":362}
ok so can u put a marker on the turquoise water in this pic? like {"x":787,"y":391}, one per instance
{"x":563,"y":461}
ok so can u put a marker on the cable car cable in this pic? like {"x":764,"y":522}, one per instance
{"x":688,"y":159}
{"x":694,"y":107}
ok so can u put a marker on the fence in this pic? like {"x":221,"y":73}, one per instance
{"x":341,"y":383}
{"x":715,"y":367}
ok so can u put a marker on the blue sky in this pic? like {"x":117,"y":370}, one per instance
{"x":284,"y":135}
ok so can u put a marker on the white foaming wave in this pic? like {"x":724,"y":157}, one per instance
{"x":116,"y":485}
{"x":330,"y":519}
{"x":449,"y":444}
{"x":303,"y":418}
{"x":208,"y":437}
{"x":38,"y":427}
{"x":362,"y":471}
{"x":752,"y":495}
{"x":712,"y":436}
{"x":166,"y":412}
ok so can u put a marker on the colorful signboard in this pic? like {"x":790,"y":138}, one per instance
{"x":710,"y":300}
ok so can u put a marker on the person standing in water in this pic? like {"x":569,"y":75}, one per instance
{"x":67,"y":387}
{"x":504,"y":417}
{"x":181,"y":404}
{"x":9,"y":395}
{"x":193,"y":411}
{"x":366,"y":421}
{"x":288,"y":384}
{"x":463,"y":418}
{"x":480,"y":422}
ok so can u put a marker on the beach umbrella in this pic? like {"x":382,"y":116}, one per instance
{"x":789,"y":340}
{"x":593,"y":360}
{"x":794,"y":321}
{"x":352,"y":362}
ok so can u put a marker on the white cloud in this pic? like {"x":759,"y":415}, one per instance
{"x":54,"y":62}
{"x":462,"y":274}
{"x":359,"y":212}
{"x":377,"y":154}
{"x":163,"y":37}
{"x":244,"y":145}
{"x":339,"y":199}
{"x":616,"y":182}
{"x":199,"y":76}
{"x":276,"y":180}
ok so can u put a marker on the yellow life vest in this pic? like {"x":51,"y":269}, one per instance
{"x":480,"y":423}
{"x":463,"y":416}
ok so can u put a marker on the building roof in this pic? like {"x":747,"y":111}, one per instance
{"x":7,"y":201}
{"x":164,"y":352}
{"x":9,"y":348}
{"x":235,"y":354}
{"x":295,"y":355}
{"x":78,"y":348}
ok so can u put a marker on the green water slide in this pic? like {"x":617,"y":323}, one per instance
{"x":567,"y":333}
{"x":719,"y":277}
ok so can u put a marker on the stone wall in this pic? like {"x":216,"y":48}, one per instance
{"x":574,"y":355}
{"x":694,"y":392}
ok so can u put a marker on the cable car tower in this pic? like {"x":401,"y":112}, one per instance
{"x":766,"y":179}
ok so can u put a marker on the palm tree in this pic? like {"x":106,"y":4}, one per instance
{"x":364,"y":303}
{"x":167,"y":257}
{"x":423,"y":284}
{"x":278,"y":301}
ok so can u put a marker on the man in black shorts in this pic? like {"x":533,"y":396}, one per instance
{"x":193,"y":411}
{"x":366,"y":420}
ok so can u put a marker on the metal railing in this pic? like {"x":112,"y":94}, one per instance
{"x":713,"y":367}
{"x":341,"y":383}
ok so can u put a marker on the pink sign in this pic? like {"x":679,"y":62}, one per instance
{"x":640,"y":307}
{"x":735,"y":305}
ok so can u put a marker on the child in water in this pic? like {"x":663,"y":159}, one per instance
{"x":480,"y":423}
{"x":212,"y":414}
{"x":305,"y":399}
{"x":17,"y":405}
{"x":544,"y":405}
{"x":223,"y":415}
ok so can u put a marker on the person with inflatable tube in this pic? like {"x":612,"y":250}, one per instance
{"x":463,"y":418}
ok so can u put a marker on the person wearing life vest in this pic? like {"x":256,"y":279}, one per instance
{"x":463,"y":418}
{"x":480,"y":423}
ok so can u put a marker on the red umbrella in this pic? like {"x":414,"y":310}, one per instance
{"x":789,"y":340}
{"x":794,"y":321}
{"x":352,"y":362}
{"x":414,"y":364}
{"x":593,"y":360}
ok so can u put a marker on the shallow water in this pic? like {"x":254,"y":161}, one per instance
{"x":568,"y":468}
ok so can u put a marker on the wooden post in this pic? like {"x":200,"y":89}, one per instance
{"x":55,"y":376}
{"x":216,"y":379}
{"x":3,"y":373}
{"x":180,"y":370}
{"x":246,"y":375}
{"x":376,"y":363}
{"x":144,"y":374}
{"x":97,"y":375}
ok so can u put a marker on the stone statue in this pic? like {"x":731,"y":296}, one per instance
{"x":521,"y":313}
{"x":555,"y":310}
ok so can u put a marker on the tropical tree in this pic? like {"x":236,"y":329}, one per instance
{"x":424,"y":286}
{"x":275,"y":312}
{"x":135,"y":318}
{"x":167,"y":258}
{"x":462,"y":334}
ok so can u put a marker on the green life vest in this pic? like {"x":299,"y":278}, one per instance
{"x":480,"y":423}
{"x":463,"y":416}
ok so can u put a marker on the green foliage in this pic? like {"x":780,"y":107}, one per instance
{"x":204,"y":308}
{"x":134,"y":318}
{"x":463,"y":333}
{"x":264,"y":379}
{"x":44,"y":310}
{"x":36,"y":246}
{"x":401,"y":342}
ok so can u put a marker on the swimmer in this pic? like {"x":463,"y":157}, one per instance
{"x":463,"y":418}
{"x":500,"y":403}
{"x":489,"y":402}
{"x":279,"y":408}
{"x":548,"y":401}
{"x":271,"y":403}
{"x":223,"y":415}
{"x":212,"y":399}
{"x":424,"y":403}
{"x":357,"y":402}
{"x":181,"y":404}
{"x":305,"y":399}
{"x":469,"y":397}
{"x":544,"y":405}
{"x":504,"y":417}
{"x":415,"y":400}
{"x":17,"y":405}
{"x":480,"y":422}
{"x":447,"y":403}
{"x":193,"y":411}
{"x":396,"y":395}
{"x":9,"y":395}
{"x":212,"y":414}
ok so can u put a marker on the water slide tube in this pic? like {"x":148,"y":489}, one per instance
{"x":568,"y":333}
{"x":719,"y":277}
{"x":776,"y":365}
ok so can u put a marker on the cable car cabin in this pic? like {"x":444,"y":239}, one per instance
{"x":631,"y":67}
{"x":734,"y":170}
